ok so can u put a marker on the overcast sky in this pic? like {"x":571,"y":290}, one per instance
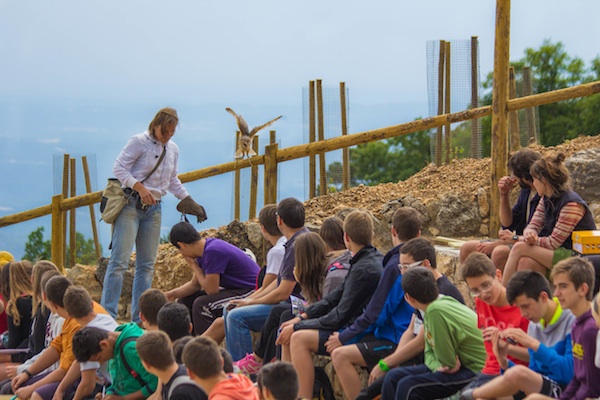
{"x":259,"y":51}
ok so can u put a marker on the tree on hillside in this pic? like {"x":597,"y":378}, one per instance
{"x":390,"y":160}
{"x":85,"y":252}
{"x":553,"y":68}
{"x":36,"y":248}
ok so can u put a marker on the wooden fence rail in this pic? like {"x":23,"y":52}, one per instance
{"x":273,"y":155}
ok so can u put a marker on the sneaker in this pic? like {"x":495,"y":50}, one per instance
{"x":467,"y":394}
{"x":248,"y":365}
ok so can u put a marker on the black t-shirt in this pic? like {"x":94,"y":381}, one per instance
{"x":184,"y":391}
{"x":18,"y":335}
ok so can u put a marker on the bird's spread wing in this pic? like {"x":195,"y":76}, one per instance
{"x":258,"y":128}
{"x":241,"y":122}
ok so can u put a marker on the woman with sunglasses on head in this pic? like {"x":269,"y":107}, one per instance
{"x":560,"y":212}
{"x":147,"y":170}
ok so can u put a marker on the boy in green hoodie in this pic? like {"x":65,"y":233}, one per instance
{"x":454,"y":351}
{"x":129,"y":378}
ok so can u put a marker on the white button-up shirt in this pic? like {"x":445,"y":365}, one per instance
{"x":138,"y":158}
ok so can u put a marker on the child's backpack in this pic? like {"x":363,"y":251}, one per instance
{"x":322,"y":389}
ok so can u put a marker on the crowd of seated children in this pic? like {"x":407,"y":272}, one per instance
{"x":415,"y":335}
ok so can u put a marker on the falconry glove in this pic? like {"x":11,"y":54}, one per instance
{"x":189,"y":206}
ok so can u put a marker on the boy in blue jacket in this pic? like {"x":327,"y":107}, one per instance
{"x":548,"y":341}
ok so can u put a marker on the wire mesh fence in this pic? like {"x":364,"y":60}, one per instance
{"x":453,"y":85}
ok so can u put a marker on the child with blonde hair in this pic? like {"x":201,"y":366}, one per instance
{"x":17,"y":292}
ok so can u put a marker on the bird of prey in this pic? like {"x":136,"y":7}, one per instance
{"x":245,"y":142}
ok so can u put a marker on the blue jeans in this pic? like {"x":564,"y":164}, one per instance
{"x":141,"y":227}
{"x":239,"y":322}
{"x":419,"y":382}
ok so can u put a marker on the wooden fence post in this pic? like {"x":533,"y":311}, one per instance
{"x":440,"y":110}
{"x":88,"y":189}
{"x":499,"y":110}
{"x":236,"y":186}
{"x":271,"y":174}
{"x":65,"y":193}
{"x":57,"y":243}
{"x":312,"y":129}
{"x":345,"y":150}
{"x":475,"y":124}
{"x":321,"y":119}
{"x":73,"y":213}
{"x":448,"y":131}
{"x":253,"y":183}
{"x":529,"y":112}
{"x":513,"y":116}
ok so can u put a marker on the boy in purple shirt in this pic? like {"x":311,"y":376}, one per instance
{"x":221,"y":273}
{"x":573,"y":280}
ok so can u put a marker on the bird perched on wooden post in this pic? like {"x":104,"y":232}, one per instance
{"x":245,"y":142}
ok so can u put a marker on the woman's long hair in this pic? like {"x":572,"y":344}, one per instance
{"x":551,"y":169}
{"x":39,"y":269}
{"x":16,"y":282}
{"x":311,"y":260}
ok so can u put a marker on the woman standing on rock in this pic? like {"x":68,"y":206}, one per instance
{"x":147,"y":169}
{"x":560,"y":211}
